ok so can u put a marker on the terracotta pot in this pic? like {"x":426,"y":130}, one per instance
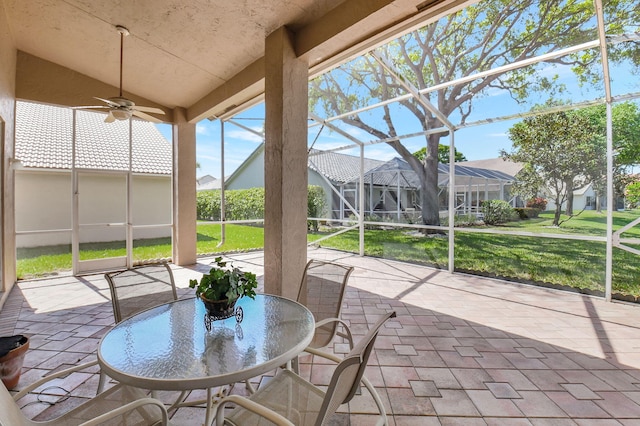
{"x":11,"y":363}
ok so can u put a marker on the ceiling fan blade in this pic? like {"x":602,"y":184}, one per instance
{"x":91,"y":107}
{"x":147,"y":109}
{"x":110,"y":118}
{"x":107,"y":101}
{"x":145,"y":116}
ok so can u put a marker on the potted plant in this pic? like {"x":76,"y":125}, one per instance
{"x":12,"y":352}
{"x":222,"y":287}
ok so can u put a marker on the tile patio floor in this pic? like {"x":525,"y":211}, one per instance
{"x":463,"y":350}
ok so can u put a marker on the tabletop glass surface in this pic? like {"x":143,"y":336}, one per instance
{"x":170,"y":342}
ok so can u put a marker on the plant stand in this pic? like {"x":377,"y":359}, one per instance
{"x":219,"y":310}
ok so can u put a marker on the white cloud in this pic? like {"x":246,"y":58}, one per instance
{"x":380,"y":152}
{"x":244,"y":135}
{"x":202,"y":129}
{"x":326,"y":145}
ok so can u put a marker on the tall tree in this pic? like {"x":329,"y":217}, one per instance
{"x":626,"y":143}
{"x":443,"y":154}
{"x":480,"y":37}
{"x":560,"y":155}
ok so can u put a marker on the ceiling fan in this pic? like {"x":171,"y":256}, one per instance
{"x":121,"y":108}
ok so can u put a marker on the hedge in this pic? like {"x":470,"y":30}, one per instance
{"x":246,"y":204}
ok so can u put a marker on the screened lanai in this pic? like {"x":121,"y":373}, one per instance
{"x":434,"y":86}
{"x":546,"y":60}
{"x":392,"y":188}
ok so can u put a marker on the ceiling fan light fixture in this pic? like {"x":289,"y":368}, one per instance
{"x":121,"y":114}
{"x":120,"y":108}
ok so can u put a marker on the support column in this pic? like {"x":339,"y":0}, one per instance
{"x":285,"y":222}
{"x":7,"y":209}
{"x":184,"y":189}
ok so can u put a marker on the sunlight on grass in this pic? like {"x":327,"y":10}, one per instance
{"x":572,"y":263}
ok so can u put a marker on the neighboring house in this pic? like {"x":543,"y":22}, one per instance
{"x":206,"y":182}
{"x":45,"y":149}
{"x":583,"y":198}
{"x":499,"y":164}
{"x":391,"y":187}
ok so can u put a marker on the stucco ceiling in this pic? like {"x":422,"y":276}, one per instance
{"x":187,"y":53}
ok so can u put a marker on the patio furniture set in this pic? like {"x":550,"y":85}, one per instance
{"x":160,"y":343}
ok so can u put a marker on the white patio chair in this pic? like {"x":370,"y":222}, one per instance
{"x":322,"y":291}
{"x":119,"y":405}
{"x":139,"y":288}
{"x":287,"y":399}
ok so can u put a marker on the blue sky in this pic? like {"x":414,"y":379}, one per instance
{"x":476,"y":143}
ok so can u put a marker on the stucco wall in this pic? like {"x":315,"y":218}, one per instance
{"x":44,"y":202}
{"x":7,"y":107}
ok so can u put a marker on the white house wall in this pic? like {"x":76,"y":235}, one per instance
{"x":313,"y":178}
{"x":579,"y":200}
{"x":151,"y":200}
{"x":44,"y":203}
{"x":252,"y":175}
{"x":43,"y":200}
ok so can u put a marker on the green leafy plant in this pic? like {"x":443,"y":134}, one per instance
{"x":225,"y":282}
{"x":497,"y":211}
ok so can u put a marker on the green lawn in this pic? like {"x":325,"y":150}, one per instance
{"x":566,"y":262}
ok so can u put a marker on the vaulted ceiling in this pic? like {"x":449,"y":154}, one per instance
{"x":202,"y":55}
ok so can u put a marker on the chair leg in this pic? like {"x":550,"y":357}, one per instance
{"x":101,"y":382}
{"x":383,"y":413}
{"x":294,"y":365}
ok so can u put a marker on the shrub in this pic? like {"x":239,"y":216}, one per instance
{"x":208,"y":205}
{"x":246,"y":204}
{"x":632,"y":194}
{"x":240,"y":204}
{"x":316,"y":205}
{"x":537,"y":203}
{"x":497,"y":211}
{"x":460,"y":220}
{"x":527,"y":212}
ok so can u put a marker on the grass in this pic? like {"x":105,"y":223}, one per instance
{"x":47,"y":260}
{"x":565,"y":262}
{"x":573,"y":263}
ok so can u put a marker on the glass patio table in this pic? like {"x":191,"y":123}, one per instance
{"x":169,"y":348}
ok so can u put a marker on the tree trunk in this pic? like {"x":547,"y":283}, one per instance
{"x":569,"y":210}
{"x":598,"y":202}
{"x":556,"y":216}
{"x":429,"y":187}
{"x":427,"y":171}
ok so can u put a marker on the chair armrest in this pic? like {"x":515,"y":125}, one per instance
{"x":347,"y":335}
{"x":252,"y":406}
{"x":364,"y":380}
{"x":55,"y":375}
{"x":128,"y":407}
{"x":323,"y":354}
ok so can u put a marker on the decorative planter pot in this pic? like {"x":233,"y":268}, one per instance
{"x":12,"y":351}
{"x":219,"y":309}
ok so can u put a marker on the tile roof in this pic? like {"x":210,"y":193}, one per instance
{"x":506,"y":166}
{"x":398,"y":172}
{"x":344,"y":168}
{"x":44,"y":137}
{"x":340,"y":168}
